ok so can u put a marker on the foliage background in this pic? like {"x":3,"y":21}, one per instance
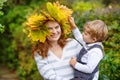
{"x":15,"y":47}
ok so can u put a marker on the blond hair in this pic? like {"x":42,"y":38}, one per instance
{"x":97,"y":29}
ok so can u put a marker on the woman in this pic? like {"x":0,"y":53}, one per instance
{"x":53,"y":50}
{"x":54,"y":55}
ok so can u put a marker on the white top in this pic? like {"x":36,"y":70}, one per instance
{"x":53,"y":68}
{"x":92,"y":57}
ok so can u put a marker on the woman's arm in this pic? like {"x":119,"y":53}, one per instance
{"x":46,"y":69}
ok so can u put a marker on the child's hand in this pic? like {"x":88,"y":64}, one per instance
{"x":72,"y":23}
{"x":73,"y":61}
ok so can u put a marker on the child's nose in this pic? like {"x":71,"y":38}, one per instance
{"x":82,"y":34}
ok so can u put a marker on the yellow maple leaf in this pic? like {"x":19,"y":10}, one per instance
{"x":40,"y":35}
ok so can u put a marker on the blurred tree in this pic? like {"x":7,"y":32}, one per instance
{"x":1,"y":13}
{"x":15,"y":47}
{"x":64,"y":2}
{"x":107,"y":2}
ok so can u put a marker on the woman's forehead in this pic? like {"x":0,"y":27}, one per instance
{"x":52,"y":23}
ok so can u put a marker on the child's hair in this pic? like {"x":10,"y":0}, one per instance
{"x":97,"y":29}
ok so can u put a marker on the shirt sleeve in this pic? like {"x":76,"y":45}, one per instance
{"x":46,"y":69}
{"x":77,"y":34}
{"x":93,"y":59}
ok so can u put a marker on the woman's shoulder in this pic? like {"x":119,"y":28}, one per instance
{"x":71,"y":40}
{"x":37,"y":55}
{"x":73,"y":45}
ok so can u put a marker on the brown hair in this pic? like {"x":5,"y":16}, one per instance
{"x":42,"y":48}
{"x":97,"y":29}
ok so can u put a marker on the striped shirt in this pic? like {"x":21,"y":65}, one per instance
{"x":53,"y":68}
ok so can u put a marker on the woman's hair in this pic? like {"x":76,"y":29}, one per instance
{"x":97,"y":29}
{"x":42,"y":48}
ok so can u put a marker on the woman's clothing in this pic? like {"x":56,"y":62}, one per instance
{"x":54,"y":68}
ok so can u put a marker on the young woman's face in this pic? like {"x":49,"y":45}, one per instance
{"x":55,"y":30}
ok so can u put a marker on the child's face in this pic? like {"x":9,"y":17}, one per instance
{"x":87,"y":37}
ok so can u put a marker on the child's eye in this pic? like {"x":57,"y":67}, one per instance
{"x":85,"y":33}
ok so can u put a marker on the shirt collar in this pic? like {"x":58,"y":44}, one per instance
{"x":99,"y":43}
{"x":88,"y":45}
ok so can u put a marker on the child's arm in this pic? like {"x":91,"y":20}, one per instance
{"x":72,"y":23}
{"x":92,"y":59}
{"x":77,"y":34}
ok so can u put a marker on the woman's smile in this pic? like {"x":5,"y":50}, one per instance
{"x":55,"y":30}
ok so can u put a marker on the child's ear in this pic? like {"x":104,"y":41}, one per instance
{"x":94,"y":39}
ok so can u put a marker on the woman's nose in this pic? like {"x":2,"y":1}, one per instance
{"x":54,"y":31}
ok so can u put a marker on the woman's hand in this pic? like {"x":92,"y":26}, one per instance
{"x":73,"y":61}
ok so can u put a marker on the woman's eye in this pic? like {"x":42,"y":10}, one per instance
{"x":56,"y":27}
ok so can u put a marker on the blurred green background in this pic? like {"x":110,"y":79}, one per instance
{"x":15,"y":47}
